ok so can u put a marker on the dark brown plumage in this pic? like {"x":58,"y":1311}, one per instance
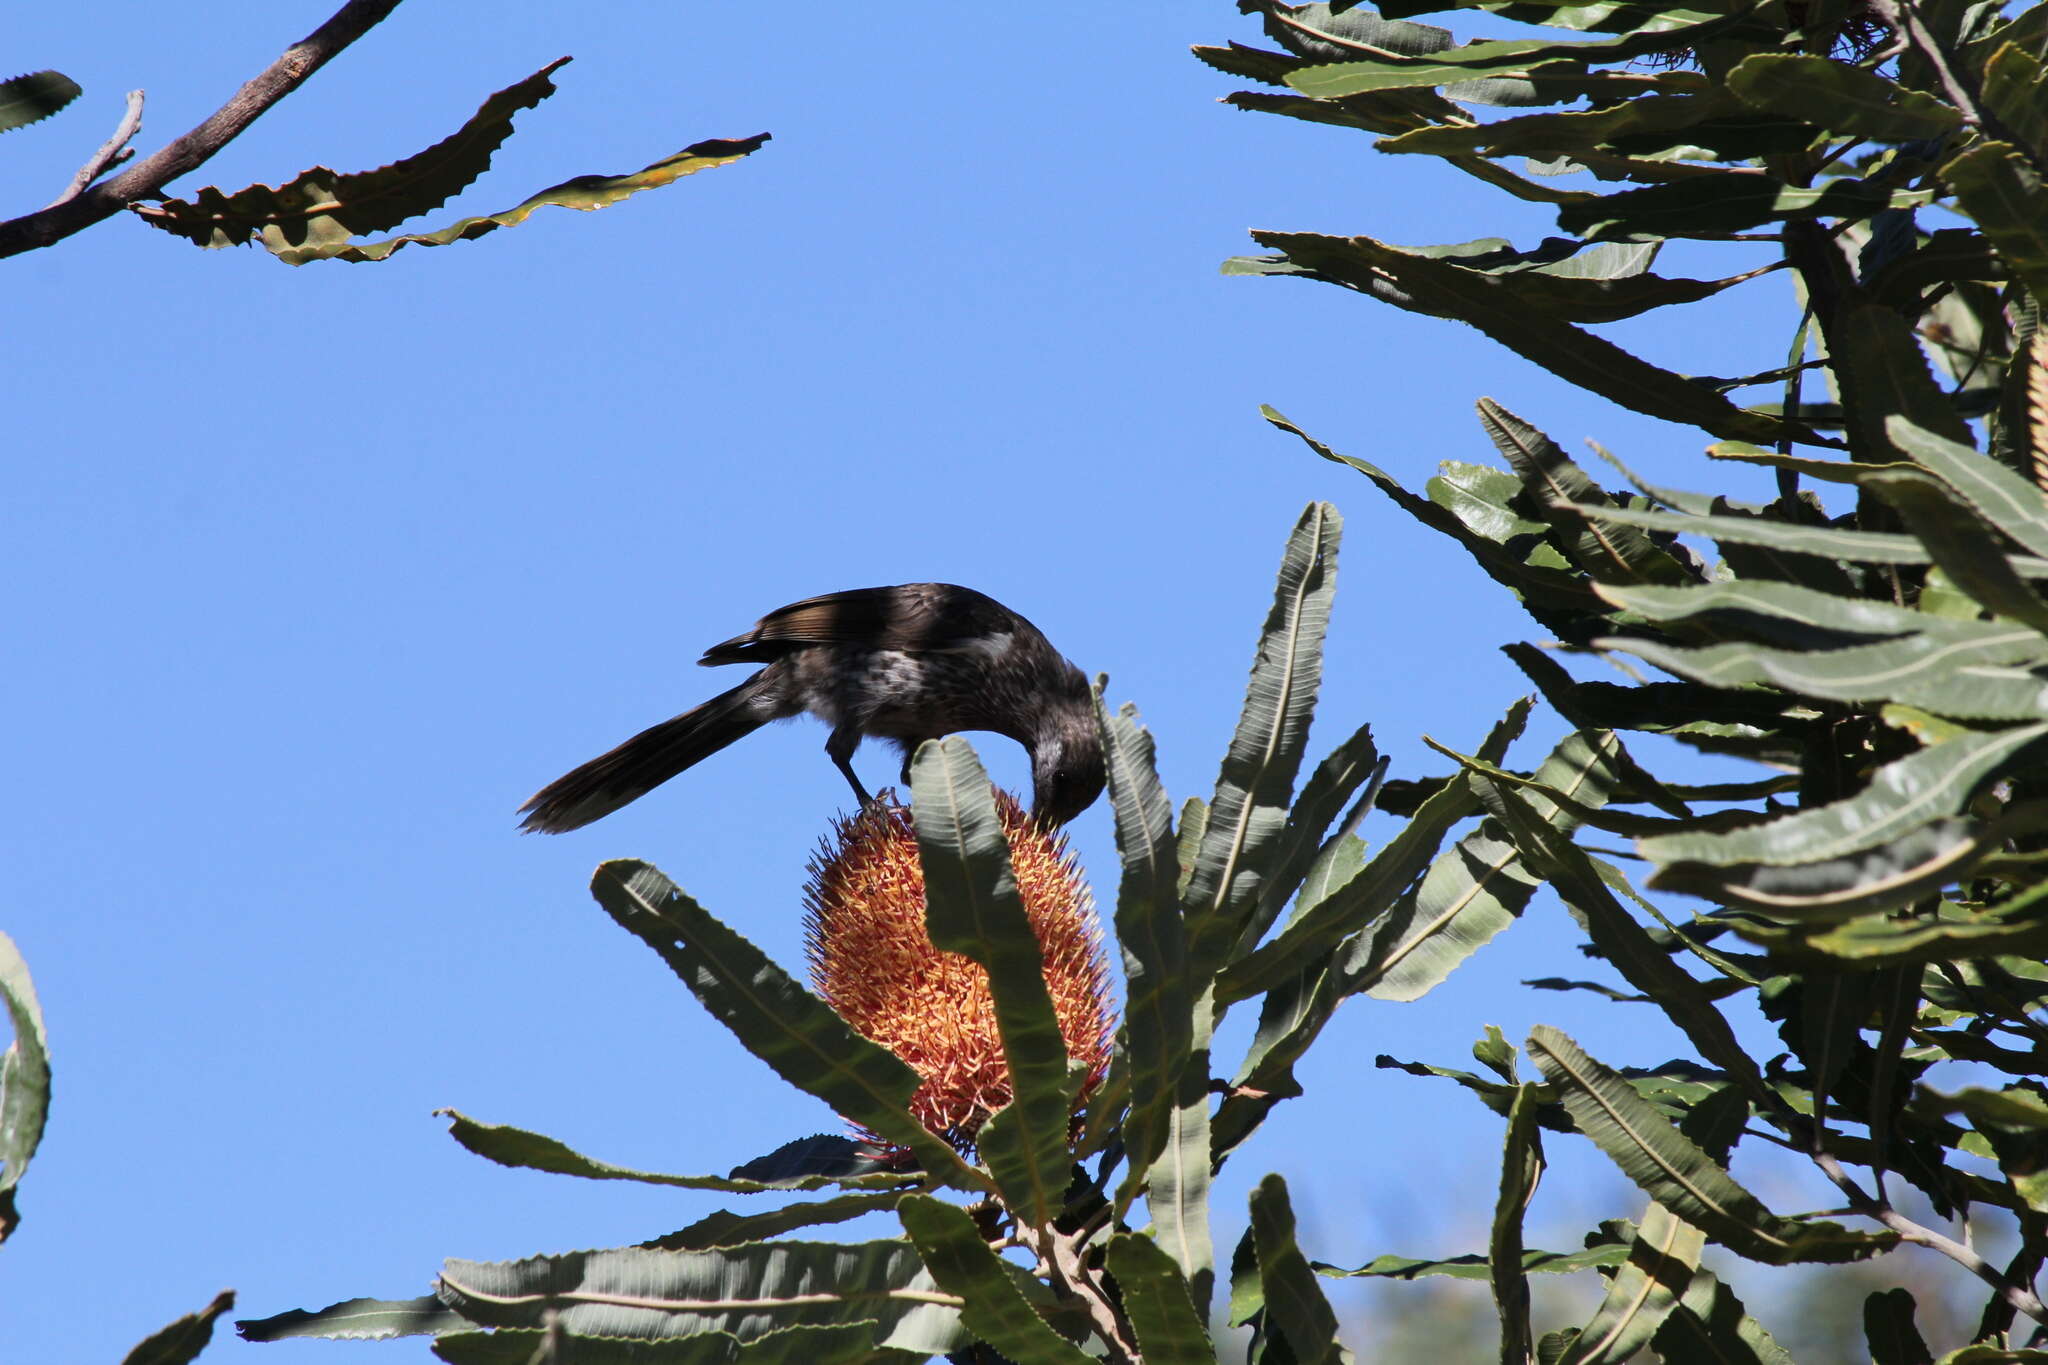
{"x":907,"y":664}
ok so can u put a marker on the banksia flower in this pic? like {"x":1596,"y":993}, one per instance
{"x":873,"y":962}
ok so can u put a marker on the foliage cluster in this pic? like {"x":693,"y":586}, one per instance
{"x":1877,"y":894}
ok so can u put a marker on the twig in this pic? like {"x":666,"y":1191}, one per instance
{"x":112,"y":152}
{"x":2019,"y":1296}
{"x":47,"y":226}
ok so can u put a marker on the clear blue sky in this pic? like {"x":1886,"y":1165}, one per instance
{"x":315,"y":574}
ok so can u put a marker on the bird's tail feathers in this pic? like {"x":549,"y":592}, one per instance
{"x":647,"y":760}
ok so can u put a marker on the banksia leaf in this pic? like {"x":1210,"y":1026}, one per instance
{"x":321,"y":202}
{"x":873,"y":961}
{"x":32,"y":97}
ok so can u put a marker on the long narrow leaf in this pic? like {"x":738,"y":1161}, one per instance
{"x":2000,"y":496}
{"x":1247,"y":816}
{"x":520,"y":1149}
{"x":183,"y":1340}
{"x":723,"y":1229}
{"x":1672,"y":1169}
{"x":972,"y":908}
{"x":1177,"y":1185}
{"x":745,"y":1290}
{"x":1476,"y":889}
{"x":1661,"y":1261}
{"x":993,"y":1308}
{"x":1901,"y":796}
{"x":1153,"y":942}
{"x":1341,"y":773}
{"x":773,"y":1017}
{"x":1521,"y":1167}
{"x":1157,"y":1300}
{"x":357,"y":1320}
{"x":1293,"y":1298}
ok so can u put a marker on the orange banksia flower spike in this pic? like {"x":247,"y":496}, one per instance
{"x":873,"y":961}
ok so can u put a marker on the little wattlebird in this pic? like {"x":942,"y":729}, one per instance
{"x":907,"y":664}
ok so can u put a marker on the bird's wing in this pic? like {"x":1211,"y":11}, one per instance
{"x":910,"y":616}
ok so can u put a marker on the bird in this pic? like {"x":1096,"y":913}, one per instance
{"x":905,"y":663}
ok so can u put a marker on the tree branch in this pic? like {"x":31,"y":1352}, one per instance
{"x":78,"y":212}
{"x":2019,"y":1296}
{"x":114,"y":150}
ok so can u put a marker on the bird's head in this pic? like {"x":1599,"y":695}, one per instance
{"x":1067,"y":772}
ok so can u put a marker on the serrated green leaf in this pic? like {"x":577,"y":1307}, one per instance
{"x":32,"y":97}
{"x":1479,"y":1268}
{"x":1810,"y":617}
{"x":1868,"y":547}
{"x":746,"y":1290}
{"x":992,"y":1307}
{"x":1999,"y":189}
{"x":1350,"y":907}
{"x":322,"y":204}
{"x":1158,"y":1302}
{"x":2014,"y":87}
{"x":1710,"y":1327}
{"x":1882,"y":878}
{"x":24,"y":1080}
{"x":1521,"y":1168}
{"x":1615,"y":934}
{"x":357,"y":1320}
{"x":1563,"y":134}
{"x":1549,"y":594}
{"x":1672,"y":1169}
{"x":1879,"y":367}
{"x":1989,"y":677}
{"x":774,"y":1018}
{"x":1177,"y":1189}
{"x":724,"y":1229}
{"x":972,"y":908}
{"x":1476,"y":889}
{"x":1561,"y":488}
{"x":520,"y":1149}
{"x":1153,"y":943}
{"x":1839,"y":97}
{"x":1443,"y":290}
{"x":850,"y":1343}
{"x":1338,"y":79}
{"x":1961,"y":543}
{"x":183,"y":1340}
{"x":1871,"y":942}
{"x":1248,"y":814}
{"x":1321,"y":800}
{"x":1902,"y":795}
{"x":1293,"y":1299}
{"x":1662,"y":1259}
{"x":1559,"y":280}
{"x":1994,"y":492}
{"x":1724,"y":202}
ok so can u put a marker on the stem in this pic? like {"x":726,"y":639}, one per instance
{"x":111,"y":153}
{"x":148,"y":176}
{"x":2018,"y":1296}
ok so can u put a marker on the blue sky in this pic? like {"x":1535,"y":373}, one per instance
{"x":315,"y":574}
